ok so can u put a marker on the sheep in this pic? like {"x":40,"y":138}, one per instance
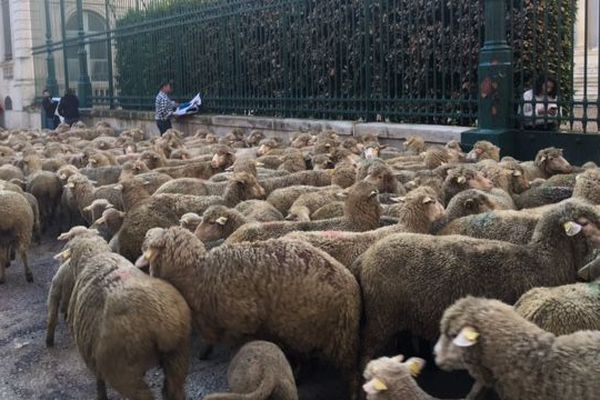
{"x":33,"y":203}
{"x":501,"y":349}
{"x":254,"y":138}
{"x":301,"y":297}
{"x":308,"y":203}
{"x":282,"y":199}
{"x":587,"y":186}
{"x":85,"y":194}
{"x":344,"y":175}
{"x":362,"y":212}
{"x":541,"y":195}
{"x":8,"y":172}
{"x":190,"y":221}
{"x":259,"y":370}
{"x":259,"y":210}
{"x":484,"y":150}
{"x":463,"y":178}
{"x":307,"y":178}
{"x":388,"y":378}
{"x":331,"y":210}
{"x":564,"y":309}
{"x":222,"y":158}
{"x":219,"y":222}
{"x":97,"y":208}
{"x":548,"y":162}
{"x":463,"y":265}
{"x":16,"y":226}
{"x":379,"y":173}
{"x":509,"y":177}
{"x":414,"y":145}
{"x":103,"y":175}
{"x":82,"y":244}
{"x":110,"y":222}
{"x":302,"y":140}
{"x":46,"y":188}
{"x":293,"y":161}
{"x":124,"y":323}
{"x":420,"y":211}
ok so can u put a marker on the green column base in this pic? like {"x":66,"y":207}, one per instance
{"x":505,"y":139}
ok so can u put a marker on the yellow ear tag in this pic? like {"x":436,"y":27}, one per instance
{"x":471,"y":334}
{"x":572,"y":228}
{"x":379,"y":385}
{"x":415,"y":369}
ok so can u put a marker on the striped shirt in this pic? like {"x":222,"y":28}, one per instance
{"x":164,"y":107}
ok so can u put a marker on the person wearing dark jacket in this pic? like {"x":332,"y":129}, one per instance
{"x":69,"y":107}
{"x":49,"y":107}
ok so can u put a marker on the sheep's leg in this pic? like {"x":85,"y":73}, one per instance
{"x":2,"y":267}
{"x":54,"y":299}
{"x":28,"y":273}
{"x":131,"y":387}
{"x":101,"y":390}
{"x":175,"y":366}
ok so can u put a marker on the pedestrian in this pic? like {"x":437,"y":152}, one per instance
{"x":49,"y":107}
{"x":164,"y":107}
{"x":547,"y":111}
{"x":68,"y":107}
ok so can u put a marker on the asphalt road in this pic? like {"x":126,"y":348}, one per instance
{"x":29,"y":370}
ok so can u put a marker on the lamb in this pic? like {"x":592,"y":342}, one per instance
{"x":16,"y":225}
{"x":308,"y":203}
{"x":391,"y":379}
{"x":259,"y":371}
{"x":548,"y":162}
{"x":301,"y":297}
{"x":420,"y":211}
{"x":124,"y":323}
{"x":362,"y":212}
{"x":564,"y":309}
{"x":82,"y":244}
{"x":587,"y":186}
{"x":463,"y":178}
{"x":463,"y":265}
{"x":532,"y":364}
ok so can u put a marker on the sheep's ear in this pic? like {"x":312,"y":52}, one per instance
{"x":415,"y":366}
{"x":461,"y":179}
{"x":543,"y":158}
{"x":427,"y":200}
{"x":467,"y":337}
{"x":517,"y":173}
{"x":572,"y":228}
{"x":374,"y":193}
{"x":64,"y":236}
{"x":374,"y":386}
{"x":118,"y":186}
{"x":399,"y":358}
{"x":221,"y":220}
{"x":260,"y":164}
{"x":400,"y":199}
{"x":342,"y":195}
{"x":63,"y":256}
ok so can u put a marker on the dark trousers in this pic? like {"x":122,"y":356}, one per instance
{"x":163,"y":125}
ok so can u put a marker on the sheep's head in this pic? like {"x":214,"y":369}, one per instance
{"x":484,"y":150}
{"x":152,"y":159}
{"x":111,"y":217}
{"x":130,"y":148}
{"x":96,"y":160}
{"x":190,"y":221}
{"x":254,"y":138}
{"x":246,"y":186}
{"x":265,"y":146}
{"x":372,"y":150}
{"x":65,"y":172}
{"x":424,"y":201}
{"x":361,"y":197}
{"x":387,"y":373}
{"x":414,"y":144}
{"x":322,"y":161}
{"x":353,"y":145}
{"x":570,"y":219}
{"x":77,"y":231}
{"x":214,"y":223}
{"x":166,"y":249}
{"x":77,"y":181}
{"x":382,"y":176}
{"x":469,"y":202}
{"x":551,"y":160}
{"x":467,"y":178}
{"x":516,"y":176}
{"x":223,"y":157}
{"x":302,"y":140}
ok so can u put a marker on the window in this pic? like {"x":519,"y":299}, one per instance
{"x":593,"y":23}
{"x":7,"y":30}
{"x":97,"y":53}
{"x":8,"y":103}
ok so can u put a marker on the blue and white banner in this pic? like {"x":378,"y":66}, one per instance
{"x":191,"y":107}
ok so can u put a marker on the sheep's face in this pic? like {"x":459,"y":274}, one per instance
{"x":477,"y":204}
{"x":190,"y":221}
{"x":154,"y":244}
{"x":552,"y":161}
{"x":151,"y":159}
{"x":263,"y":149}
{"x":371,"y":152}
{"x":451,"y":346}
{"x":322,"y":161}
{"x":478,"y":181}
{"x":385,"y":373}
{"x":518,"y":182}
{"x":212,"y":226}
{"x":484,"y":151}
{"x":247,"y":185}
{"x":77,"y":231}
{"x":222,"y":159}
{"x":382,"y":177}
{"x":434,"y":210}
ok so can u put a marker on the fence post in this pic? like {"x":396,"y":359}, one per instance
{"x":84,"y":85}
{"x":495,"y":74}
{"x":64,"y":47}
{"x":51,"y":83}
{"x":111,"y":89}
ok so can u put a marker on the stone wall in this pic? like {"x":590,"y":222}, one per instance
{"x":286,"y":127}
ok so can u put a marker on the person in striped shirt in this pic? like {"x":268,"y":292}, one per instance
{"x":164,"y":107}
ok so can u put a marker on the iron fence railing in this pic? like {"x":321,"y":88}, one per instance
{"x":387,"y":60}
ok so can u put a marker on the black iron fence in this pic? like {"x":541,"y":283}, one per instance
{"x":375,"y":60}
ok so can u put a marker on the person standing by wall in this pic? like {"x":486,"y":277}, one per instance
{"x":164,"y":107}
{"x":49,"y":107}
{"x":69,"y":107}
{"x":543,"y":94}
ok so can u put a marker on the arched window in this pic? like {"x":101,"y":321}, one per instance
{"x":97,"y":54}
{"x":8,"y":103}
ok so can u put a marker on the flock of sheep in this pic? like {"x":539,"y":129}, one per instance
{"x":323,"y":247}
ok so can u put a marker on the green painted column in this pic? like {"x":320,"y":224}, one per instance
{"x":84,"y":85}
{"x":64,"y":47}
{"x":51,"y":83}
{"x":495,"y":73}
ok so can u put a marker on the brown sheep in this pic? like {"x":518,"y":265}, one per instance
{"x":254,"y":138}
{"x":293,"y":161}
{"x":331,"y":210}
{"x":312,"y":305}
{"x":259,"y":371}
{"x":259,"y":210}
{"x":190,"y":221}
{"x":465,"y":266}
{"x":308,"y":203}
{"x":124,"y":323}
{"x":46,"y":188}
{"x":362,"y":212}
{"x":222,"y":158}
{"x":484,"y":150}
{"x":16,"y":225}
{"x":509,"y":177}
{"x":85,"y":193}
{"x":283,"y":198}
{"x":547,"y":162}
{"x":380,"y":174}
{"x":308,"y":178}
{"x":344,"y":175}
{"x":219,"y":222}
{"x":414,"y":145}
{"x":391,"y":379}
